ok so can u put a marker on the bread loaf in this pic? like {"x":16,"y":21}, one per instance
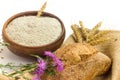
{"x":89,"y":62}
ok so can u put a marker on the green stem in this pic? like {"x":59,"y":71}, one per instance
{"x":25,"y":68}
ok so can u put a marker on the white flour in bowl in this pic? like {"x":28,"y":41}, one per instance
{"x":34,"y":31}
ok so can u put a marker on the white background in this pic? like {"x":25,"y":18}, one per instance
{"x":69,"y":11}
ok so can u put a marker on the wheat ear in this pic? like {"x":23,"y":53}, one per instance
{"x":98,"y":36}
{"x":101,"y":40}
{"x":41,"y":9}
{"x":83,"y":30}
{"x":93,"y":31}
{"x":76,"y":31}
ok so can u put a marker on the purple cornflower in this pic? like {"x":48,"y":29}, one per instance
{"x":41,"y":66}
{"x":56,"y":62}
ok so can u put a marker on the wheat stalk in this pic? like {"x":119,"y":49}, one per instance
{"x":74,"y":37}
{"x":41,"y":9}
{"x":76,"y":31}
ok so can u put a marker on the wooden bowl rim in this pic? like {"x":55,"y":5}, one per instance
{"x":27,"y":13}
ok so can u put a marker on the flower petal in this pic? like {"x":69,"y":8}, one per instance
{"x":50,"y":54}
{"x":41,"y":66}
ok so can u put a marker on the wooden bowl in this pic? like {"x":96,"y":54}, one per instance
{"x":23,"y":50}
